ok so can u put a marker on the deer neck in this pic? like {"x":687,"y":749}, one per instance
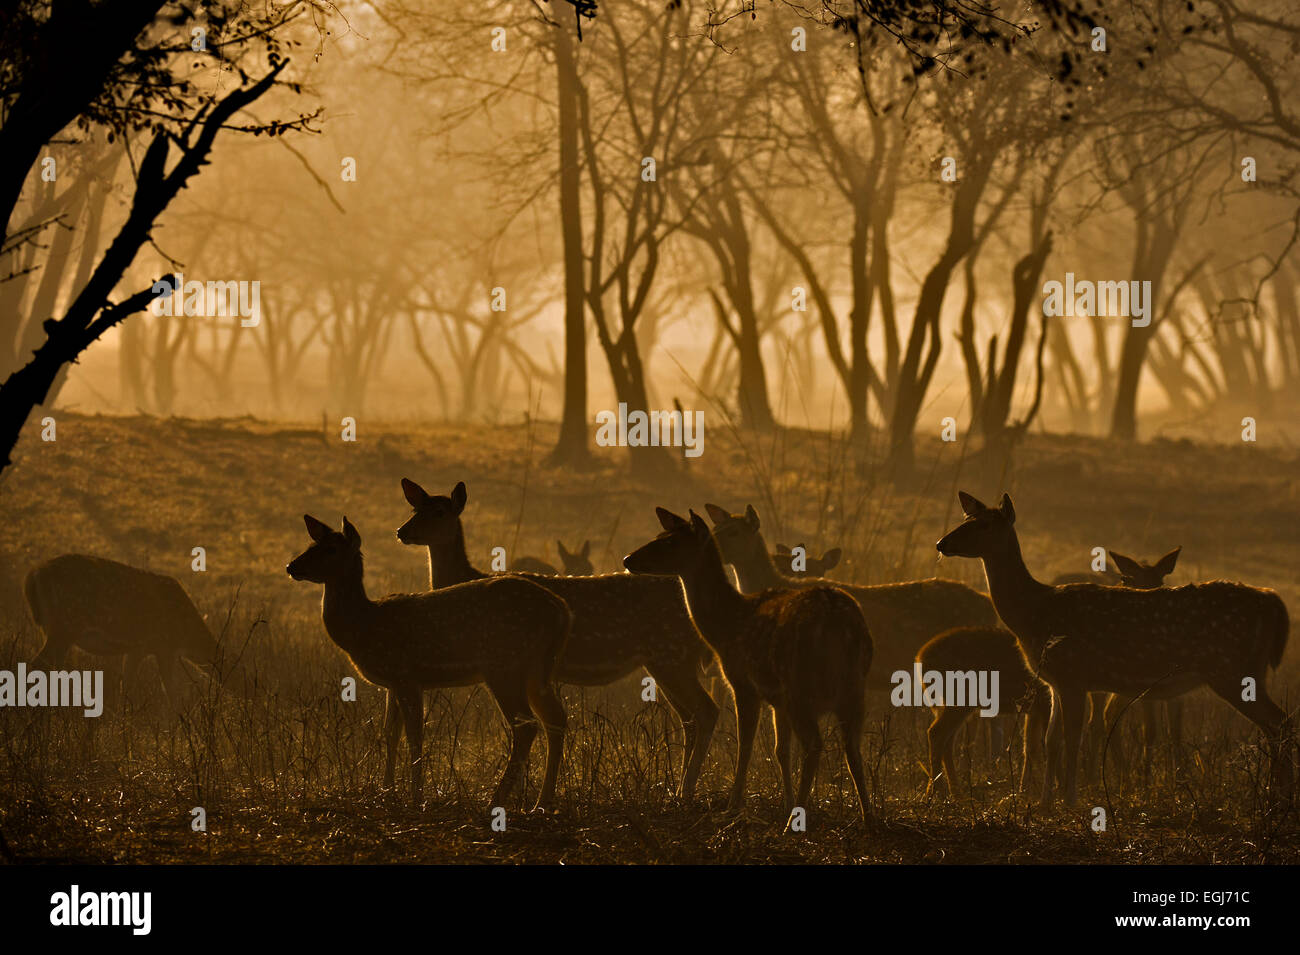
{"x":448,"y":562}
{"x":345,"y":607}
{"x":757,"y":571}
{"x":1017,"y":596}
{"x":713,"y":603}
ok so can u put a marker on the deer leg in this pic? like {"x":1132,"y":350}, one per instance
{"x":1055,"y":730}
{"x":947,"y":720}
{"x":1073,"y":707}
{"x":1175,"y":709}
{"x":1035,"y":741}
{"x":1112,"y":738}
{"x":1097,"y":702}
{"x":810,"y":740}
{"x":547,"y":707}
{"x":1150,"y":734}
{"x":1271,"y":719}
{"x":747,"y":706}
{"x":392,"y":736}
{"x":167,"y":671}
{"x":411,"y":702}
{"x":784,"y":734}
{"x":698,"y":713}
{"x":130,"y":676}
{"x":513,"y":702}
{"x":851,"y":719}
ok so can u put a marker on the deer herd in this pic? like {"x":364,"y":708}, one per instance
{"x":782,"y":635}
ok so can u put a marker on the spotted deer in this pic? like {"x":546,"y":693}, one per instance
{"x":812,"y":566}
{"x":1164,"y":642}
{"x":901,"y":616}
{"x":1020,"y":694}
{"x":115,"y":610}
{"x":1105,"y":709}
{"x":576,"y":563}
{"x":621,"y":623}
{"x":806,"y":652}
{"x":503,"y":632}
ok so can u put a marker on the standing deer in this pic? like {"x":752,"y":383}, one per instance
{"x":576,"y":563}
{"x":111,"y":609}
{"x":902,"y":616}
{"x":990,"y":649}
{"x":806,"y":652}
{"x":1086,"y":637}
{"x":504,"y":632}
{"x":1143,"y":576}
{"x":812,"y":566}
{"x":621,"y":623}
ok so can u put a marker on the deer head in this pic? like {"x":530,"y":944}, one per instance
{"x":678,"y":551}
{"x":737,"y":535}
{"x":1141,"y":575}
{"x":332,"y":553}
{"x":436,"y":517}
{"x":987,"y":531}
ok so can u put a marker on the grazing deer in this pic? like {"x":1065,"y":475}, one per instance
{"x":621,"y":623}
{"x":1143,"y":576}
{"x":990,"y":649}
{"x":1165,"y":642}
{"x":901,"y":616}
{"x":111,"y":609}
{"x":812,"y":566}
{"x":504,"y":632}
{"x":576,"y":563}
{"x":806,"y":652}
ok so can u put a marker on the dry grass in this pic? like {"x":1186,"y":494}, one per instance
{"x":288,"y":772}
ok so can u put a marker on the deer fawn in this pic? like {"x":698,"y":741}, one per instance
{"x":504,"y":632}
{"x":806,"y":652}
{"x":812,"y":566}
{"x":576,"y":563}
{"x":902,"y":616}
{"x":620,"y":623}
{"x":1159,"y":642}
{"x":1142,"y":576}
{"x":1020,"y":692}
{"x":111,"y":609}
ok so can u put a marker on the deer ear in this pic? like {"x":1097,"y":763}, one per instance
{"x":316,"y":530}
{"x":415,"y":495}
{"x":700,"y":528}
{"x":350,"y":533}
{"x":830,"y":558}
{"x":751,"y":516}
{"x":1008,"y":510}
{"x":586,"y":549}
{"x":668,"y":520}
{"x":970,"y":506}
{"x":1127,"y":566}
{"x":718,"y":514}
{"x":459,"y":496}
{"x":1165,"y":565}
{"x":559,"y":544}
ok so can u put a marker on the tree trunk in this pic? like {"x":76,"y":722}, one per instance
{"x":572,"y":449}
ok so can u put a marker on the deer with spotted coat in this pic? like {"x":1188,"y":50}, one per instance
{"x":1158,"y":643}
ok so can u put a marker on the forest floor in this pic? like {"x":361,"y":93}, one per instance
{"x":288,"y":772}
